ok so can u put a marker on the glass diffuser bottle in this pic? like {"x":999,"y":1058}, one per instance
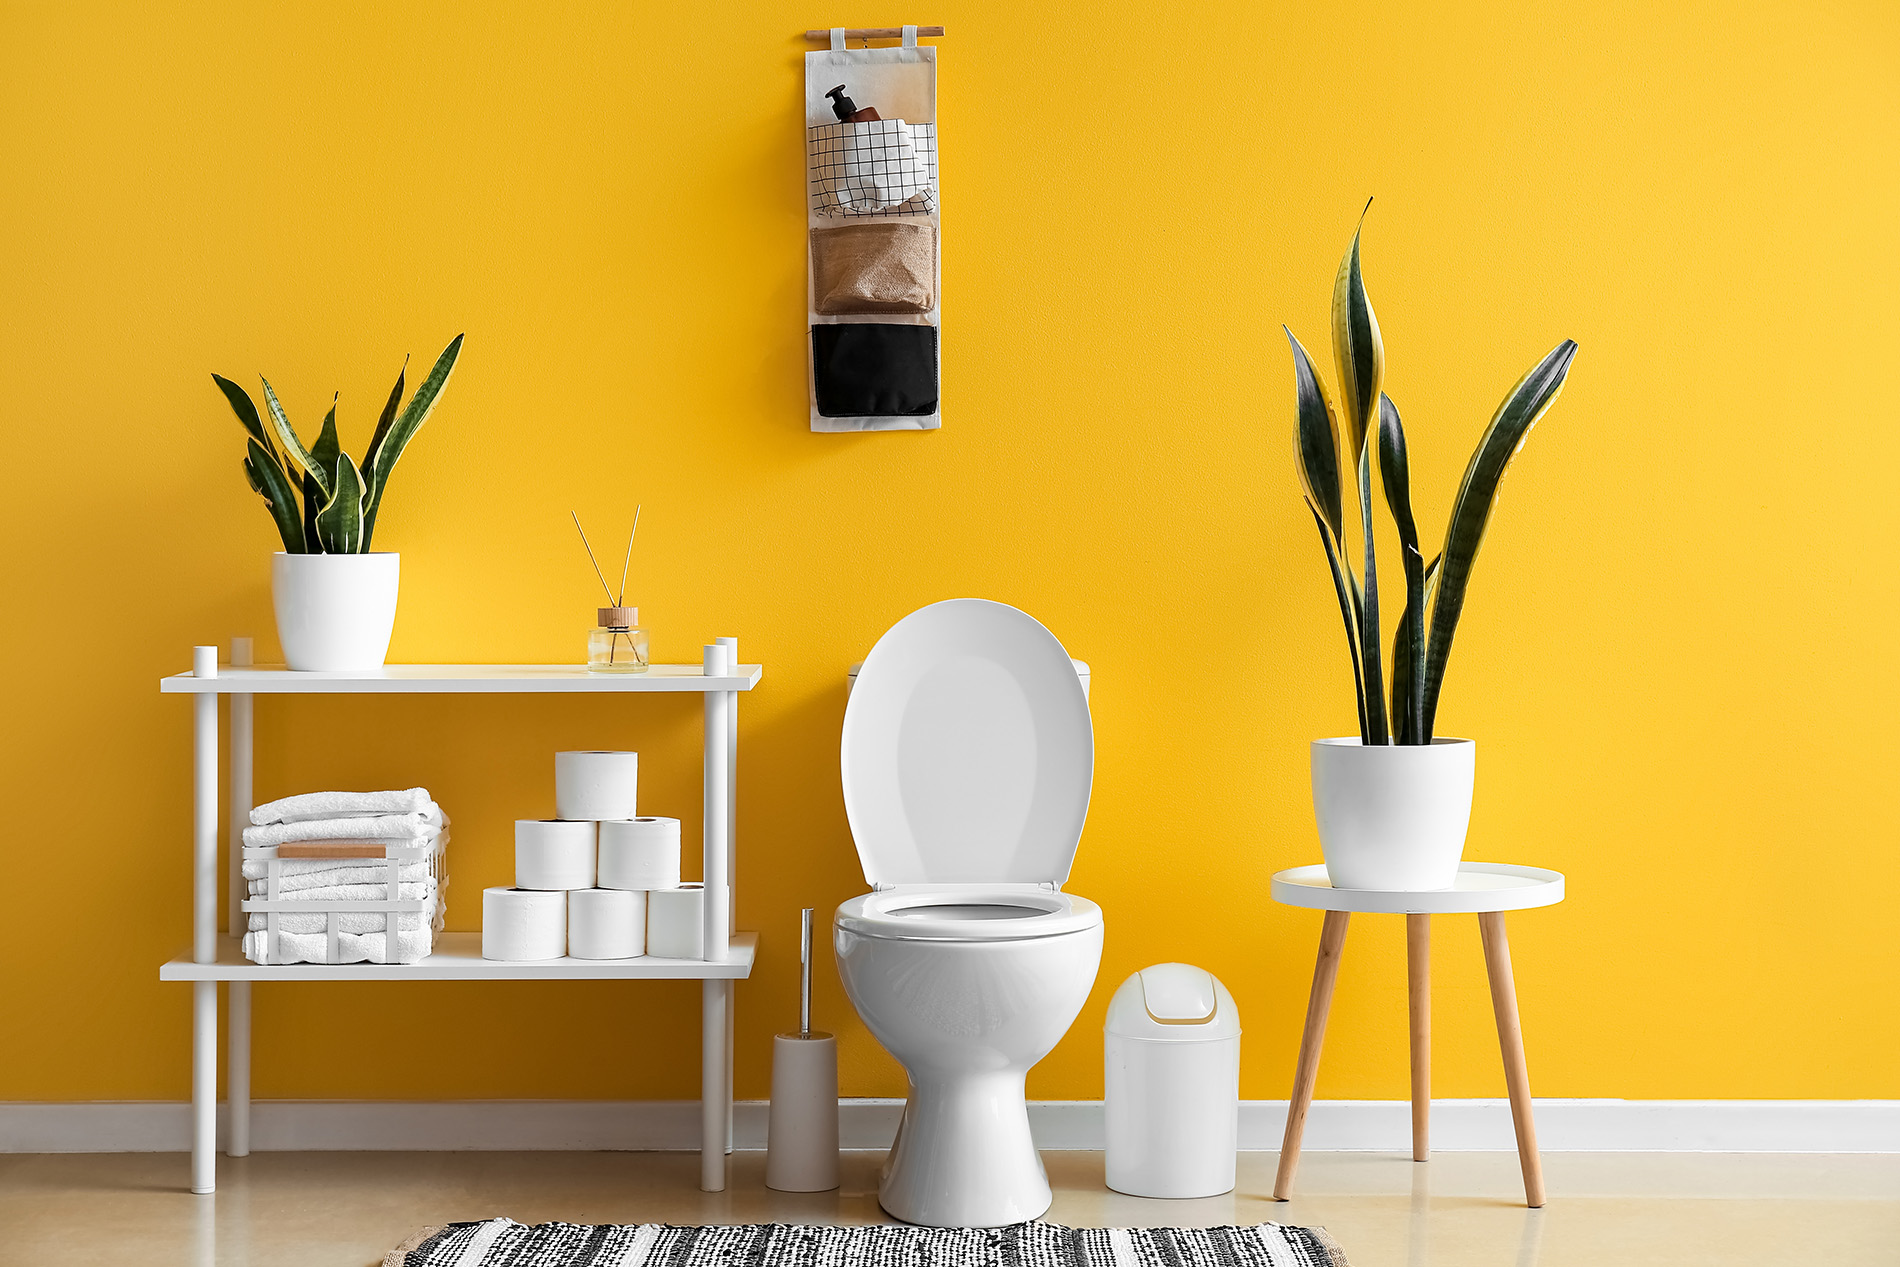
{"x":618,"y":644}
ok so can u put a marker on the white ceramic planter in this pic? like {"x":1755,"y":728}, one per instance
{"x":1392,"y":816}
{"x":334,"y":611}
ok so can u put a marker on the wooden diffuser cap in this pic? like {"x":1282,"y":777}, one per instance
{"x":619,"y":617}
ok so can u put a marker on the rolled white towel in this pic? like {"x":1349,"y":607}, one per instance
{"x":391,"y":827}
{"x":311,"y":805}
{"x":310,"y":873}
{"x":351,"y":947}
{"x":347,"y":922}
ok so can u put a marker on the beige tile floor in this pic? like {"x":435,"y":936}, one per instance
{"x":1459,"y":1210}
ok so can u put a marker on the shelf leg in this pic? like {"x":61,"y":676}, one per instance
{"x":1418,"y":982}
{"x":1319,"y":1005}
{"x":715,"y":837}
{"x":732,"y":853}
{"x":204,"y":926}
{"x":1517,"y":1079}
{"x":204,"y":1086}
{"x":242,"y":713}
{"x":237,"y":1069}
{"x":714,"y":1109}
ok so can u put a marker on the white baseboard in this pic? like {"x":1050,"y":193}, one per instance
{"x":1740,"y":1126}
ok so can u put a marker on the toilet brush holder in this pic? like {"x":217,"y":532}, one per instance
{"x":801,"y":1142}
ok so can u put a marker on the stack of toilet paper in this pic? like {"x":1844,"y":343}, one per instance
{"x":600,"y":881}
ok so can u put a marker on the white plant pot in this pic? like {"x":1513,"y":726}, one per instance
{"x":1393,"y":816}
{"x":335,"y":612}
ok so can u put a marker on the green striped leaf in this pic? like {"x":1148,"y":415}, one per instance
{"x":1316,"y":440}
{"x":1348,"y":592}
{"x":368,"y":468}
{"x":1357,"y":347}
{"x":1408,"y":657}
{"x":388,"y":448}
{"x":269,"y":481}
{"x":1471,"y":512}
{"x":287,"y":437}
{"x":1372,"y":679}
{"x":1408,"y":712}
{"x":340,"y":522}
{"x":246,"y":410}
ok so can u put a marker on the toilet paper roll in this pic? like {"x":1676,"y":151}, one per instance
{"x":524,"y":923}
{"x":551,"y":853}
{"x":640,"y":853}
{"x":675,"y":923}
{"x":596,"y":785}
{"x":606,"y":924}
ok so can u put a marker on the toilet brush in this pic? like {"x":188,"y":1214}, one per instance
{"x":801,"y":1141}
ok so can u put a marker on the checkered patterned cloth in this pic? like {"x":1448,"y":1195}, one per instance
{"x":883,"y":168}
{"x":506,"y":1243}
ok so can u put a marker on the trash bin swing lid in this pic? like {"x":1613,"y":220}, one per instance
{"x":1173,"y":1003}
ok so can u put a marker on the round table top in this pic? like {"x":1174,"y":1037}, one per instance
{"x":1481,"y":886}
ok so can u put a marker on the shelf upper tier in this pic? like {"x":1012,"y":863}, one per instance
{"x":458,"y":957}
{"x":454,"y":679}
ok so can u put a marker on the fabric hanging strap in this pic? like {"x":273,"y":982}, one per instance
{"x":837,"y":39}
{"x":910,"y":37}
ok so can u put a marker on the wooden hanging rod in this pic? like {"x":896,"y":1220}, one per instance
{"x":874,"y":33}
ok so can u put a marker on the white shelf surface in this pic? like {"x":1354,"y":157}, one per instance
{"x":458,"y":957}
{"x":1481,"y":886}
{"x":473,"y":679}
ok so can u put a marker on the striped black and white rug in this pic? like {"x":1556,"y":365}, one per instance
{"x":506,"y":1243}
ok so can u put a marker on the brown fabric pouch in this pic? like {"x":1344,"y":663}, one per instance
{"x":880,"y":266}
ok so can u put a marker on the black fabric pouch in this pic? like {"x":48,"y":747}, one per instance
{"x":875,"y":370}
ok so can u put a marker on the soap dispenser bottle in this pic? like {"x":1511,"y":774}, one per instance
{"x":847,"y":109}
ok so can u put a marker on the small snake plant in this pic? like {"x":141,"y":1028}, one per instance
{"x":340,"y":497}
{"x":1434,"y":591}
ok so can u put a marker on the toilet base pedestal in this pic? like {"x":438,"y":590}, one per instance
{"x":964,"y":1156}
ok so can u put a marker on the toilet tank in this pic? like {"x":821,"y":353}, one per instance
{"x":1081,"y":673}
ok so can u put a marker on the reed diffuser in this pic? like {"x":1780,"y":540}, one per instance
{"x":618,"y":643}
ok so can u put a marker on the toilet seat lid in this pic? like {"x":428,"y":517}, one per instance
{"x":968,"y":753}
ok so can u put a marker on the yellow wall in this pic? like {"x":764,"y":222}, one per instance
{"x":1677,"y":660}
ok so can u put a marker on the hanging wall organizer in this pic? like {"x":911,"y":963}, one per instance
{"x":873,"y":278}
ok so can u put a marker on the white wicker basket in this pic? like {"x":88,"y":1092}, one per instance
{"x":392,"y":906}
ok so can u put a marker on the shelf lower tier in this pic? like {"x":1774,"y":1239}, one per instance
{"x":458,"y":957}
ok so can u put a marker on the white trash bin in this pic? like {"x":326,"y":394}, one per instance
{"x":1172,"y":1043}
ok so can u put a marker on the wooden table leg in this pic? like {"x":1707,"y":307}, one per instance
{"x":1332,"y":939}
{"x":1418,"y":981}
{"x":1497,"y":962}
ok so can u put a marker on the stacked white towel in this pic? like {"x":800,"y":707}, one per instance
{"x":408,"y":823}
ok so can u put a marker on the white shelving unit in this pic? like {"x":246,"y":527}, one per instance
{"x":458,"y":956}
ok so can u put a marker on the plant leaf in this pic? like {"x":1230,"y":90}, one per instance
{"x":292,"y":445}
{"x":1510,"y":426}
{"x":327,"y":447}
{"x":246,"y":410}
{"x":268,"y":479}
{"x":385,"y":452}
{"x":1408,"y":653}
{"x":1357,"y":347}
{"x":1408,"y":713}
{"x":1373,"y":686}
{"x":1316,"y":440}
{"x":312,"y":503}
{"x":340,"y":522}
{"x":368,"y":468}
{"x":1347,"y":589}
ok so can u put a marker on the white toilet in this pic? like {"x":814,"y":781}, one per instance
{"x":967,"y":760}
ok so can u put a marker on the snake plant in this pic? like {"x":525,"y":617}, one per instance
{"x":340,"y":497}
{"x":1372,"y":436}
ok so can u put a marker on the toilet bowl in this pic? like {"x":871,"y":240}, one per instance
{"x":967,"y":761}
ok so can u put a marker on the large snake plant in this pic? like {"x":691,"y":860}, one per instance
{"x":340,"y":497}
{"x":1434,"y":591}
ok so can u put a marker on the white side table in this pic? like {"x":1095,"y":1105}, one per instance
{"x":1486,"y":889}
